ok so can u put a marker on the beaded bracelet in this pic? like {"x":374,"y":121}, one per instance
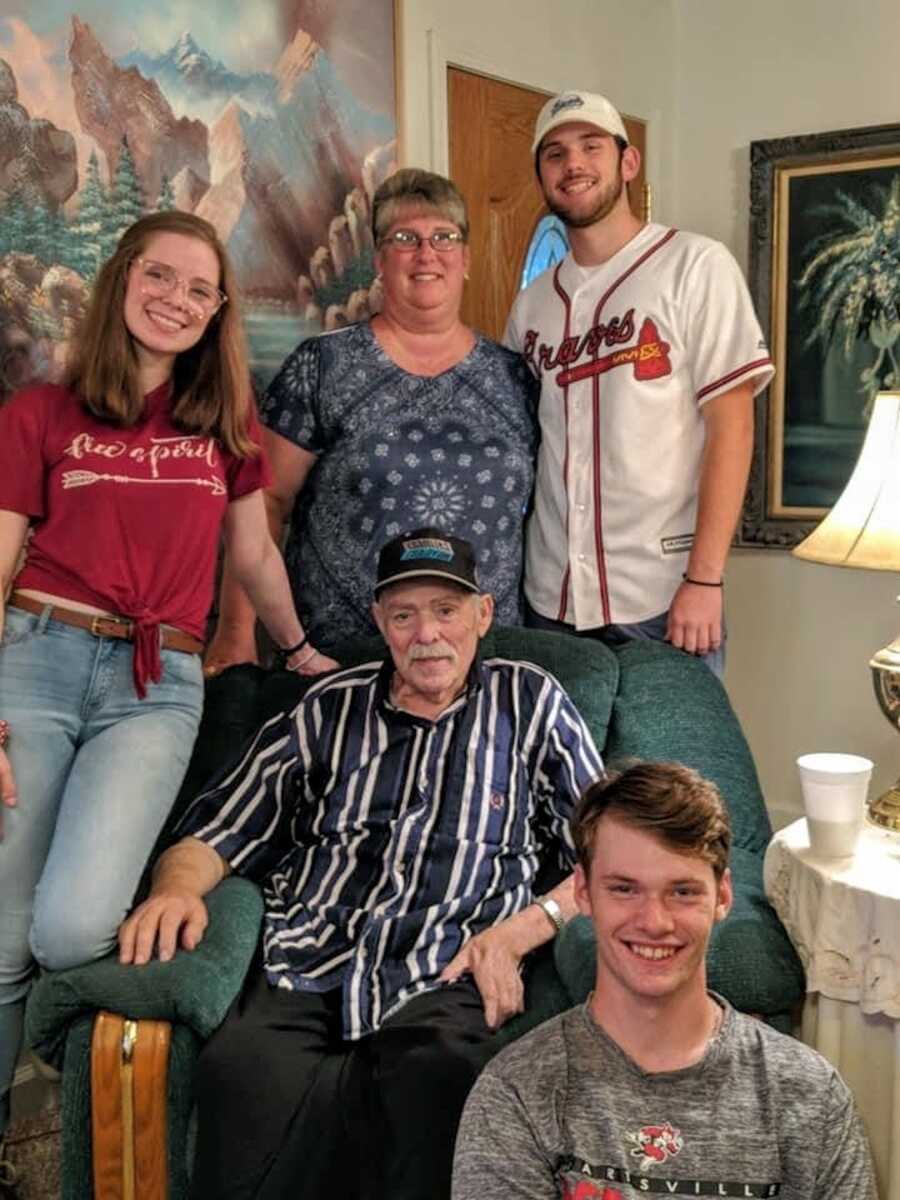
{"x":300,"y":665}
{"x":4,"y":733}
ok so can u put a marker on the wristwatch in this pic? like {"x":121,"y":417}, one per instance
{"x":553,"y":912}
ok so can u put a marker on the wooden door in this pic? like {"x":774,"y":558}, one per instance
{"x":491,"y":125}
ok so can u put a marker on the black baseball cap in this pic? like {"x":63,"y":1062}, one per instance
{"x":424,"y":553}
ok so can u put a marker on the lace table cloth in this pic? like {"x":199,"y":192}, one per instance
{"x":843,"y":915}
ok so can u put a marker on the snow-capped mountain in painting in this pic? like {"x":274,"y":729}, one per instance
{"x":278,"y":133}
{"x":270,"y":178}
{"x":194,"y":82}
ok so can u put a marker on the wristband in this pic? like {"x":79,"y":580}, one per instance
{"x":552,"y":911}
{"x":291,"y":650}
{"x":702,"y":582}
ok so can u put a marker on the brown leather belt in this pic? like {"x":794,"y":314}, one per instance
{"x":113,"y":627}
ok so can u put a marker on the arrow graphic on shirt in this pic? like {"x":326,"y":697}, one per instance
{"x":73,"y":479}
{"x":650,"y":357}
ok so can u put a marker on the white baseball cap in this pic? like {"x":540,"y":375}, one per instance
{"x":578,"y":106}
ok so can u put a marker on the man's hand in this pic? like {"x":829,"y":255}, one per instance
{"x":492,"y":959}
{"x":695,"y":614}
{"x":695,"y":619}
{"x":159,"y":921}
{"x":8,"y":796}
{"x":229,"y":647}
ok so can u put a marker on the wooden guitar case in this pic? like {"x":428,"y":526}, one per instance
{"x":129,"y":1067}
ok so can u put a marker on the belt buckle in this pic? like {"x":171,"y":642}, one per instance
{"x":123,"y":629}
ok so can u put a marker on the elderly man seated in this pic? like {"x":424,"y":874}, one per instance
{"x":396,"y":819}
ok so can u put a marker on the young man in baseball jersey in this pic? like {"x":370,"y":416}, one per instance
{"x":655,"y":1086}
{"x":649,"y":354}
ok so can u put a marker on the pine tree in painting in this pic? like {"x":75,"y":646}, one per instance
{"x":18,"y":227}
{"x":166,"y":201}
{"x":42,"y":233}
{"x":126,"y":202}
{"x":87,"y":233}
{"x":60,"y":241}
{"x":8,"y":222}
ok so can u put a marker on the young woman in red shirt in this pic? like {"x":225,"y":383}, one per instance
{"x":126,"y":476}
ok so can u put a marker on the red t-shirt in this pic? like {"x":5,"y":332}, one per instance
{"x":126,"y":520}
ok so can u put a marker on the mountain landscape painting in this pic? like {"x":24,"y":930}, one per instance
{"x":274,"y":120}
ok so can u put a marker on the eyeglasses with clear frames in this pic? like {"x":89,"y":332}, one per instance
{"x":159,"y":279}
{"x":407,"y":241}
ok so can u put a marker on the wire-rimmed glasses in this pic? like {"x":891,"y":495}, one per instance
{"x":407,"y":241}
{"x":200,"y":297}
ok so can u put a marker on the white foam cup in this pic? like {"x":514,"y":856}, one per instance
{"x":834,"y":790}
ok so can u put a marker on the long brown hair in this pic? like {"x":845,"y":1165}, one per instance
{"x":210,"y":381}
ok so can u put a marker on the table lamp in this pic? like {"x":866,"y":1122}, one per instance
{"x":863,"y":530}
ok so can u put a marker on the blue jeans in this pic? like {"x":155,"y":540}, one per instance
{"x":651,"y":630}
{"x":97,"y":771}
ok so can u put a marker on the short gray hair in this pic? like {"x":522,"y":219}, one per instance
{"x":414,"y":188}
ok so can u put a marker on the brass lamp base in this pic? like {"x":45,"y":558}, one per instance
{"x":884,"y":812}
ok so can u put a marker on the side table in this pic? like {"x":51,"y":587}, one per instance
{"x":843,"y":916}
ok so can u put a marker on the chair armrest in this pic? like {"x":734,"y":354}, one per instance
{"x":195,"y":988}
{"x":575,"y":957}
{"x":750,"y":959}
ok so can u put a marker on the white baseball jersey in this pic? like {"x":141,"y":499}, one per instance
{"x":627,"y":354}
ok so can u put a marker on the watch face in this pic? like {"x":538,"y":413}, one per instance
{"x":552,"y":910}
{"x":887,"y":689}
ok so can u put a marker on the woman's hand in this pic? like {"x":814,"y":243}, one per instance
{"x":304,"y":663}
{"x":8,"y":797}
{"x":228,"y":648}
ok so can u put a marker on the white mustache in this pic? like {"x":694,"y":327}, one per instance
{"x":438,"y":650}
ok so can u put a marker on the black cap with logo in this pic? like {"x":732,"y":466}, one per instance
{"x":427,"y":552}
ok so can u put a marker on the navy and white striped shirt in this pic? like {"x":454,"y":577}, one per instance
{"x":387,"y":840}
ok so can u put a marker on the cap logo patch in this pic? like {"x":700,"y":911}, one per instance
{"x":564,"y":102}
{"x":429,"y":548}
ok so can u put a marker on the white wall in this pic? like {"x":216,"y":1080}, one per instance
{"x":711,"y":76}
{"x":801,"y":634}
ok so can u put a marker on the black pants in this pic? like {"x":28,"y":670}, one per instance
{"x":288,"y":1109}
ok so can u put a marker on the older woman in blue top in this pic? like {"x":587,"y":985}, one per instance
{"x":409,"y":419}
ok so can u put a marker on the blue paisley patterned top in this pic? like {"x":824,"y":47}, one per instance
{"x":396,"y":451}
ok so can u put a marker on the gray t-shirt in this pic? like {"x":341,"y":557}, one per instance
{"x":565,"y":1113}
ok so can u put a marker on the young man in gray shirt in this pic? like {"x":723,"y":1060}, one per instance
{"x":656,"y":1086}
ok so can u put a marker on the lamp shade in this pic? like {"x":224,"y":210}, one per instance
{"x":863,"y":528}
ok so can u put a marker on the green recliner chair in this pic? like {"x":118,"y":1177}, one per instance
{"x":643,"y":700}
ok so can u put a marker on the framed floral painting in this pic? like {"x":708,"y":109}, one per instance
{"x":825,"y":274}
